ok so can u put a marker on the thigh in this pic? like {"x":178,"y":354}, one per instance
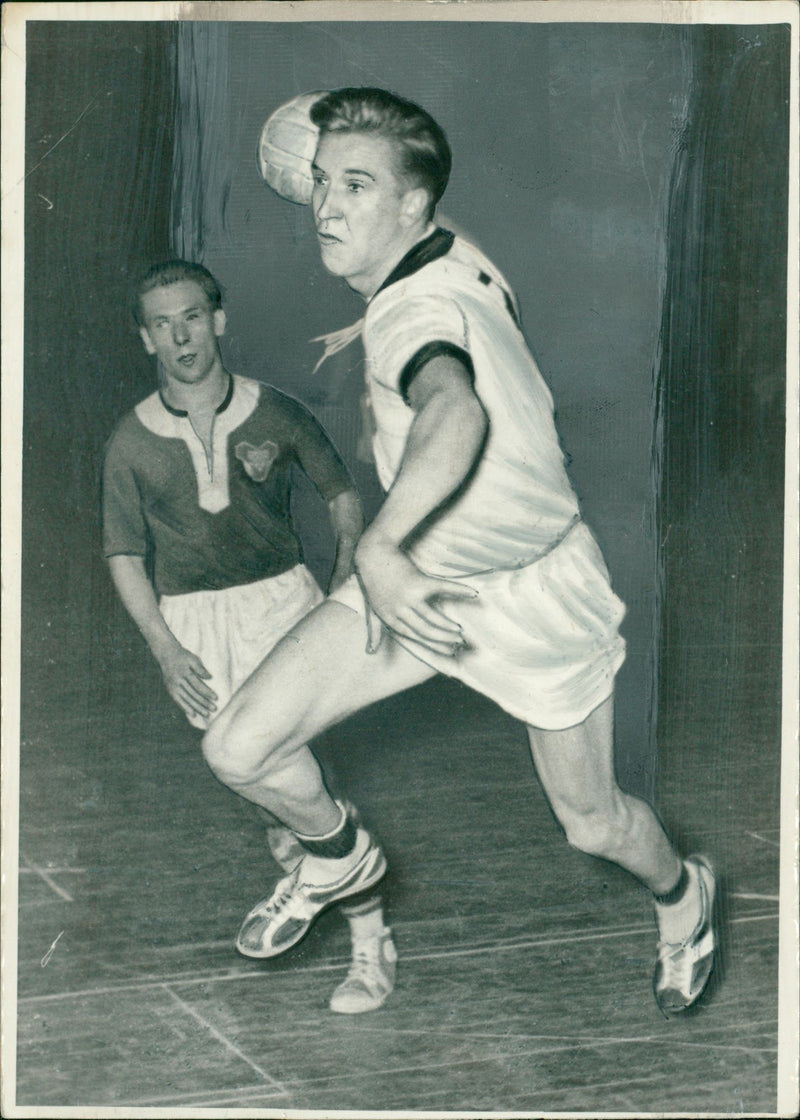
{"x":317,"y":675}
{"x":576,"y":765}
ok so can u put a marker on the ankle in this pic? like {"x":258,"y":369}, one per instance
{"x":677,"y":919}
{"x":366,"y":925}
{"x":337,"y":843}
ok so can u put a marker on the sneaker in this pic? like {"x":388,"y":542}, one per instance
{"x":683,"y":969}
{"x":370,"y":979}
{"x":280,"y":921}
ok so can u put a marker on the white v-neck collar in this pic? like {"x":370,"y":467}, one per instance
{"x":213,"y":490}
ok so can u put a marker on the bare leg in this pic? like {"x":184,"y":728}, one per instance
{"x":576,"y":769}
{"x":316,"y":676}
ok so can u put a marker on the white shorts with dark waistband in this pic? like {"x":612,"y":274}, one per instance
{"x":544,"y":640}
{"x":234,"y":629}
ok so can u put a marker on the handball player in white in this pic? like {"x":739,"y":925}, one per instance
{"x":478,"y":564}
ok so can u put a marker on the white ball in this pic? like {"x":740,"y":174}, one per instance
{"x":286,"y":149}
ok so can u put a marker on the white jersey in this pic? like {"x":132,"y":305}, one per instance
{"x":518,"y":503}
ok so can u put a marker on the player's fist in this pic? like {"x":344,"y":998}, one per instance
{"x":185,"y":676}
{"x":408,"y":602}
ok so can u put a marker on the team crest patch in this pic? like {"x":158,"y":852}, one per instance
{"x":257,"y":460}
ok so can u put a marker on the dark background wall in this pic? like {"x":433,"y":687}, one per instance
{"x":562,"y":174}
{"x":99,"y":144}
{"x":722,"y":403}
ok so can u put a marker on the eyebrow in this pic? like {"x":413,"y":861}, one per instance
{"x":184,"y":311}
{"x":347,"y":171}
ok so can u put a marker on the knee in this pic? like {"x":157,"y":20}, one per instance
{"x":218,"y":749}
{"x":236,"y":758}
{"x":215,"y":743}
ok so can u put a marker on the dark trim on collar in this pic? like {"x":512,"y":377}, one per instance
{"x":169,"y":408}
{"x":226,"y":400}
{"x":436,"y":245}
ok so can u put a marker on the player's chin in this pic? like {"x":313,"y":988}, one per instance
{"x":333,"y":258}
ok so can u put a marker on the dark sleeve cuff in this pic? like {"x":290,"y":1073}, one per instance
{"x":424,"y":355}
{"x":334,"y":489}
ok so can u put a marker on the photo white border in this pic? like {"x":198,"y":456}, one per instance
{"x":15,"y":16}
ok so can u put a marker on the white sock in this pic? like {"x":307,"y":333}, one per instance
{"x":678,"y":921}
{"x":365,"y":924}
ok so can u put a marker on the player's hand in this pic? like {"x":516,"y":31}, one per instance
{"x":185,"y":676}
{"x":408,"y":602}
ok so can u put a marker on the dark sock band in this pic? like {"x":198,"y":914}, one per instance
{"x":677,"y":892}
{"x":333,"y":847}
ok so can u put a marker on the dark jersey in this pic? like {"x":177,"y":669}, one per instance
{"x":221,"y":521}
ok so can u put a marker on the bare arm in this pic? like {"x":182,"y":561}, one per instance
{"x":443,"y":444}
{"x":347,"y":520}
{"x":184,"y":672}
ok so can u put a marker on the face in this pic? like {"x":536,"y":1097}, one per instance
{"x":180,"y":327}
{"x":366,"y":216}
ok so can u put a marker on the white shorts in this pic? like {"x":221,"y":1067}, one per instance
{"x":234,"y":629}
{"x":544,"y":640}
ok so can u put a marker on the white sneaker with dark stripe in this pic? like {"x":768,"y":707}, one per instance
{"x":683,"y":968}
{"x":280,"y":921}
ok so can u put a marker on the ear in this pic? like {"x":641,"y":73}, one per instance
{"x":414,"y":206}
{"x":145,"y":337}
{"x":220,"y":322}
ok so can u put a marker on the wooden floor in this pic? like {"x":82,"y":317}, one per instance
{"x":524,"y":980}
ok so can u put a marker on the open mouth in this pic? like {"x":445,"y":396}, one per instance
{"x":187,"y":359}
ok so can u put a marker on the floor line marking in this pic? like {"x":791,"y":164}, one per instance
{"x":474,"y":1060}
{"x":248,"y":1093}
{"x":55,"y":871}
{"x":47,"y":879}
{"x":300,"y":1084}
{"x":220,"y":1037}
{"x":259,"y":974}
{"x":763,"y":839}
{"x":32,"y":903}
{"x":758,"y":897}
{"x":198,"y":1094}
{"x":304,"y":1083}
{"x":578,"y":1040}
{"x":504,"y":943}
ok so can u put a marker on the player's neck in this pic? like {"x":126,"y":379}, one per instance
{"x":196,"y":397}
{"x":372,"y":285}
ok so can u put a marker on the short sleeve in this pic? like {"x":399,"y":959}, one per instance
{"x":314,"y":451}
{"x":124,"y":526}
{"x":402,"y":334}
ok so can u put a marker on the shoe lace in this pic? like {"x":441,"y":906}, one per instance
{"x":366,"y":965}
{"x":283,"y":895}
{"x":675,"y":962}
